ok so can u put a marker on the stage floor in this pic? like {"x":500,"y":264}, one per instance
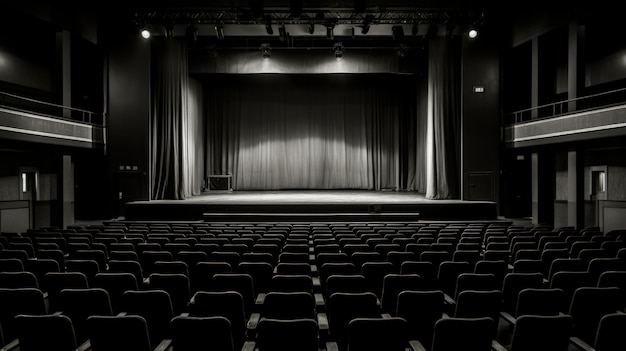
{"x":302,"y":205}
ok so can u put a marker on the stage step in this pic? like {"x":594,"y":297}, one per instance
{"x":311,"y":217}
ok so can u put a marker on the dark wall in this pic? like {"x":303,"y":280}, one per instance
{"x":481,"y":119}
{"x":128,"y":121}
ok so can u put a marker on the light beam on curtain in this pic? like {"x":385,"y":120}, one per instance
{"x":443,"y":119}
{"x":306,"y":132}
{"x":176,"y":124}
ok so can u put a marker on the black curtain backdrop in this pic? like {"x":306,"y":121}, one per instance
{"x":333,"y":131}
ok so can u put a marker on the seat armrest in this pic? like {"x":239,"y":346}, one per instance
{"x":260,"y":299}
{"x":164,"y":345}
{"x":386,"y":316}
{"x":416,"y":345}
{"x":248,"y":346}
{"x":253,"y":321}
{"x":448,"y":300}
{"x":332,"y":346}
{"x":320,"y":304}
{"x":508,"y":317}
{"x":322,"y":320}
{"x":12,"y":346}
{"x":580,"y":344}
{"x":84,"y":346}
{"x":316,"y":282}
{"x":496,"y":346}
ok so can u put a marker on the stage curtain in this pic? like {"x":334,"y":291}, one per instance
{"x":443,"y":119}
{"x":176,"y":134}
{"x":336,"y":131}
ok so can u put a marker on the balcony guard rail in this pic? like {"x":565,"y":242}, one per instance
{"x":580,"y":104}
{"x":29,"y":105}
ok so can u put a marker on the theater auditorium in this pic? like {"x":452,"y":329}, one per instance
{"x":346,"y":175}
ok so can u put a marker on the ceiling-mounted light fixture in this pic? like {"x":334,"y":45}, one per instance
{"x":268,"y":25}
{"x":472,"y":33}
{"x":330,"y":28}
{"x":414,"y":29}
{"x":169,"y":30}
{"x":219,"y":31}
{"x":282,"y":32}
{"x":311,"y":27}
{"x":266,"y":50}
{"x":145,"y":33}
{"x":191,"y":32}
{"x":365,"y":26}
{"x":398,"y":33}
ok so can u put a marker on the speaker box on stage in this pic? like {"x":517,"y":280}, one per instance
{"x":219,"y":182}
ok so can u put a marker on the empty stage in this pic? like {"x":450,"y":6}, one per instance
{"x":309,"y":205}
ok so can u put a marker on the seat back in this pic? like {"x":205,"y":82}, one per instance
{"x":78,"y":304}
{"x":45,"y":332}
{"x":207,"y":333}
{"x":421,"y":310}
{"x":389,"y":334}
{"x":155,"y":306}
{"x":610,"y":333}
{"x":120,"y":333}
{"x":287,"y":335}
{"x":542,"y":333}
{"x":463,"y":334}
{"x":227,"y":304}
{"x":588,"y":306}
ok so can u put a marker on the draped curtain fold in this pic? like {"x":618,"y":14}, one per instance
{"x":176,"y":125}
{"x":306,"y":132}
{"x":443,"y":119}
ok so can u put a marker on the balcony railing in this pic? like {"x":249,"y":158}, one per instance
{"x":576,"y":105}
{"x":43,"y":108}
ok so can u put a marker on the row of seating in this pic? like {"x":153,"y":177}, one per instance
{"x":336,"y":267}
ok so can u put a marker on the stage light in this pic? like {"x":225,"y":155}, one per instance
{"x":414,"y":29}
{"x":398,"y":33}
{"x":282,"y":32}
{"x":145,"y":33}
{"x":266,"y":50}
{"x":219,"y":32}
{"x":169,"y":30}
{"x":311,"y":27}
{"x":365,"y":27}
{"x":338,"y":50}
{"x":330,"y":27}
{"x":191,"y":32}
{"x":268,"y":25}
{"x":473,"y":33}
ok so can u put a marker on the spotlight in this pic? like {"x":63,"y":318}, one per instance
{"x":398,"y":33}
{"x":414,"y":29}
{"x":473,"y":33}
{"x":330,"y":27}
{"x":268,"y":25}
{"x":266,"y":50}
{"x":191,"y":32}
{"x":169,"y":30}
{"x":282,"y":32}
{"x":338,"y":50}
{"x":365,"y":27}
{"x":219,"y":32}
{"x":311,"y":27}
{"x":145,"y":33}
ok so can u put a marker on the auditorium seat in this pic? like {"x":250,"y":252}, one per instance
{"x":393,"y":285}
{"x":390,"y":334}
{"x":19,"y":279}
{"x":78,"y":304}
{"x":609,"y":334}
{"x":155,"y":308}
{"x":448,"y":273}
{"x":569,"y":282}
{"x":540,"y":333}
{"x":115,"y":283}
{"x":176,"y":285}
{"x":513,"y":283}
{"x":588,"y":305}
{"x":239,"y":282}
{"x":375,"y":272}
{"x":15,"y":301}
{"x":85,"y":266}
{"x":44,"y":332}
{"x":461,"y":334}
{"x":228,"y":304}
{"x":421,"y":310}
{"x":478,"y":304}
{"x":57,"y":281}
{"x":261,"y":273}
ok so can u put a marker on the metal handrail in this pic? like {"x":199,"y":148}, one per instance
{"x":76,"y":114}
{"x":560,"y":108}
